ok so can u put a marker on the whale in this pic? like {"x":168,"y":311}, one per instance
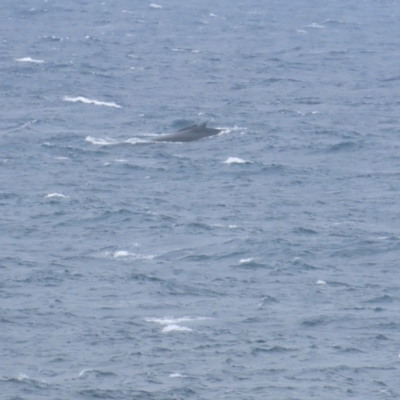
{"x":189,"y":133}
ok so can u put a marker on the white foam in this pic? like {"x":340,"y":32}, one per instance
{"x":121,"y":253}
{"x":85,"y":100}
{"x":232,"y":226}
{"x":153,"y":5}
{"x":315,"y":25}
{"x":177,"y":375}
{"x":113,"y":142}
{"x":307,"y":113}
{"x":172,"y":323}
{"x":56,"y":195}
{"x":236,"y":128}
{"x":26,"y":124}
{"x":235,"y":160}
{"x":100,"y":141}
{"x":172,"y":320}
{"x":28,"y":59}
{"x":136,"y":141}
{"x":321,"y":282}
{"x":176,"y":328}
{"x":22,"y":376}
{"x":126,"y":254}
{"x":246,"y":260}
{"x":84,"y":371}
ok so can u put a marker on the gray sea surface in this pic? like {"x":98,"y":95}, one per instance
{"x":261,"y":263}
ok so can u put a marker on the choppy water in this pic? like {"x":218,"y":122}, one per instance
{"x":262,"y":263}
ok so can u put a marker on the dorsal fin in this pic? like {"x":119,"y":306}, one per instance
{"x":203,"y":125}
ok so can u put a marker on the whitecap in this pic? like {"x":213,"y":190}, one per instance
{"x":28,"y":59}
{"x":235,"y":160}
{"x":320,"y":282}
{"x":85,"y":100}
{"x":153,"y":5}
{"x":59,"y":195}
{"x":176,"y":328}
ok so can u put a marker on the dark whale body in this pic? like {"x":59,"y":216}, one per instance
{"x":189,"y":133}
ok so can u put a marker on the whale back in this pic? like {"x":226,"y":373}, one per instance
{"x":187,"y":128}
{"x":189,"y":133}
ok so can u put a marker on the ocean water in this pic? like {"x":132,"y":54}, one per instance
{"x":262,"y":263}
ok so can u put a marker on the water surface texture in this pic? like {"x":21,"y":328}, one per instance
{"x":261,"y":263}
